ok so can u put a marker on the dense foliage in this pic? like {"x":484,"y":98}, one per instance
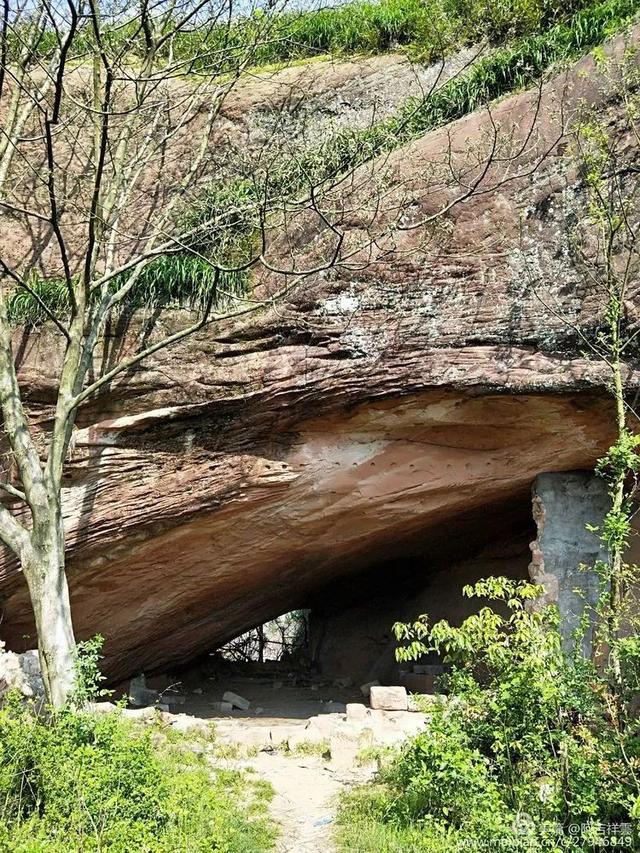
{"x":83,"y":782}
{"x":527,"y":753}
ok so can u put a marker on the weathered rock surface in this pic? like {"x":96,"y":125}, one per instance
{"x":381,"y":413}
{"x":21,"y":673}
{"x":565,"y":550}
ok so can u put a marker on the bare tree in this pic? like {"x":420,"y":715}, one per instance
{"x":109,"y":128}
{"x":117,"y":175}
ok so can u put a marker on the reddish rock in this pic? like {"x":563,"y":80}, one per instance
{"x":380,"y":412}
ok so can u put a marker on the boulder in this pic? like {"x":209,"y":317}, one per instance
{"x":21,"y":673}
{"x":389,"y":698}
{"x":236,"y":701}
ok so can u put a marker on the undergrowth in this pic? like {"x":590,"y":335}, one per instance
{"x":95,"y":783}
{"x":527,"y":754}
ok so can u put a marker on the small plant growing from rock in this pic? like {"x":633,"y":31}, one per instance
{"x":88,"y":678}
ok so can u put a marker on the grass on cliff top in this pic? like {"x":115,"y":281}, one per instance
{"x":427,"y":27}
{"x":504,"y":70}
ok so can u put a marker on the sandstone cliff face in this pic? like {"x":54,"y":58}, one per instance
{"x":396,"y":410}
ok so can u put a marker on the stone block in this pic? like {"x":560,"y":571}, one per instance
{"x":356,"y":712}
{"x":237,"y":701}
{"x":388,"y":698}
{"x":222,"y":707}
{"x":365,"y":688}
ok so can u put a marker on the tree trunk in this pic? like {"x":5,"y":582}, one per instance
{"x":45,"y":574}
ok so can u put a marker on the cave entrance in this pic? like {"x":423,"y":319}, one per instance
{"x":341,"y":638}
{"x":338,"y":636}
{"x":283,"y":640}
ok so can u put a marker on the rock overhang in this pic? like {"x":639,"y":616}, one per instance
{"x":250,"y":466}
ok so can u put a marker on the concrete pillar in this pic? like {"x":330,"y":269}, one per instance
{"x":563,"y":504}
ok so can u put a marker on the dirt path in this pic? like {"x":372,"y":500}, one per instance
{"x":305,"y":801}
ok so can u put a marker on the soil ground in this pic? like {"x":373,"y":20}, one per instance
{"x":307,"y":788}
{"x":306,"y":799}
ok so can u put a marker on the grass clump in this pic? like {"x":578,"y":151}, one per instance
{"x":309,"y":748}
{"x":527,"y":748}
{"x":95,"y":783}
{"x":179,"y":280}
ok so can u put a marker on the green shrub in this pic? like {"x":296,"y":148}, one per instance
{"x":527,"y":745}
{"x":83,"y":782}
